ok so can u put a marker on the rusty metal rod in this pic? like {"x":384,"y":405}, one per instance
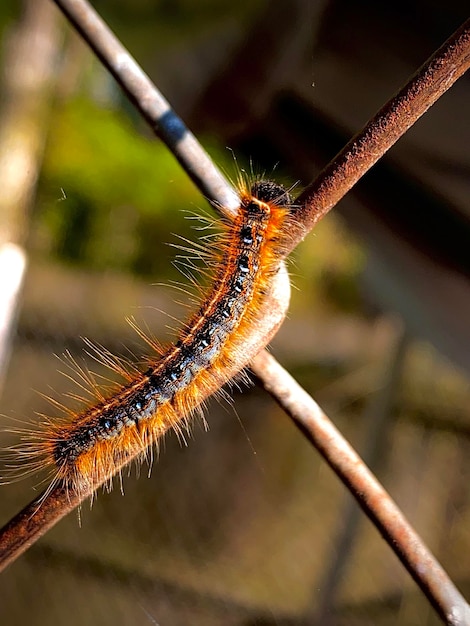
{"x":33,"y":521}
{"x":392,"y":121}
{"x":369,"y":493}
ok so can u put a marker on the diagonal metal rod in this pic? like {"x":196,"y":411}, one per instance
{"x":369,"y":493}
{"x":152,"y":105}
{"x":392,"y":121}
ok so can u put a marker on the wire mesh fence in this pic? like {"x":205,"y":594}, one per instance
{"x":248,"y":535}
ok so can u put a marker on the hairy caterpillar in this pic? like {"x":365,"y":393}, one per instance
{"x":84,"y":450}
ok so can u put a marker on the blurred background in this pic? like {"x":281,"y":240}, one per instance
{"x":245,"y":525}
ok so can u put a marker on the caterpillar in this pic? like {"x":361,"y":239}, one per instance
{"x":87,"y":449}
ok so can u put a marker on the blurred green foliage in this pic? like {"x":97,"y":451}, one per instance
{"x":8,"y":11}
{"x":331,"y":261}
{"x":148,"y":25}
{"x":123,"y":194}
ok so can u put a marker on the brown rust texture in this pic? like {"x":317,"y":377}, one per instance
{"x":392,"y":121}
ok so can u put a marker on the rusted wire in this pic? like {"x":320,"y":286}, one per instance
{"x":392,"y":121}
{"x":433,"y":79}
{"x":33,"y":521}
{"x":369,"y":493}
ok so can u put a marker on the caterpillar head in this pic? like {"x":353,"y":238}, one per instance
{"x":270,"y":192}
